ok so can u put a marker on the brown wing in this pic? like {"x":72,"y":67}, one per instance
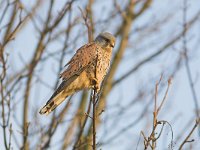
{"x":83,"y":57}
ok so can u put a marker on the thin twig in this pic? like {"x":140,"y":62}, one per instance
{"x":152,"y":139}
{"x":189,"y":135}
{"x":188,"y":70}
{"x":10,"y":135}
{"x":165,"y":96}
{"x":94,"y":102}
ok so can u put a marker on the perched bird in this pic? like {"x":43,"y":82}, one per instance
{"x":86,"y":70}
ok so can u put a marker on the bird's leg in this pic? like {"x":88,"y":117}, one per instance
{"x":96,"y":84}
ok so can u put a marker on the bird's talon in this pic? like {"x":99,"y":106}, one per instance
{"x":97,"y":88}
{"x":94,"y":81}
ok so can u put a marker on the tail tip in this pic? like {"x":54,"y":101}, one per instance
{"x":48,"y":108}
{"x":44,"y":111}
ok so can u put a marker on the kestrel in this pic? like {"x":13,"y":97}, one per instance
{"x":86,"y":70}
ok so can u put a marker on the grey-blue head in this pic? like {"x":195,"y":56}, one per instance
{"x":105,"y":40}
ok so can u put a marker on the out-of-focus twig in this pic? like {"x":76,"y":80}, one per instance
{"x":188,"y":69}
{"x":186,"y":140}
{"x":3,"y":101}
{"x":87,"y":16}
{"x":159,"y":51}
{"x":77,"y":145}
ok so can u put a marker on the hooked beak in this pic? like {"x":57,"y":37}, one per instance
{"x":112,"y":45}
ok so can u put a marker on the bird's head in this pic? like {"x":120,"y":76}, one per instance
{"x":105,"y":40}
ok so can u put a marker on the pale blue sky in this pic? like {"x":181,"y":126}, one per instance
{"x":179,"y":100}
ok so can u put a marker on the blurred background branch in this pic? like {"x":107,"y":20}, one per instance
{"x":37,"y":38}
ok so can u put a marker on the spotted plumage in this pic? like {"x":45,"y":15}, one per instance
{"x":86,"y":70}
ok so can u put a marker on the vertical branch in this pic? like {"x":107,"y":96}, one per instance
{"x":2,"y":77}
{"x":124,"y":31}
{"x":90,"y":25}
{"x":152,"y":139}
{"x":76,"y":146}
{"x":5,"y":101}
{"x":94,"y":118}
{"x":94,"y":102}
{"x":155,"y":113}
{"x":11,"y":23}
{"x":88,"y":21}
{"x":188,"y":70}
{"x":10,"y":32}
{"x":126,"y":26}
{"x":10,"y":135}
{"x":35,"y":60}
{"x":77,"y":121}
{"x":54,"y":123}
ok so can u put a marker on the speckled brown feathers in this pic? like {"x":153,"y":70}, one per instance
{"x":86,"y":69}
{"x":83,"y":57}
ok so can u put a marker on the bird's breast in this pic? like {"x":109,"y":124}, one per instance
{"x":82,"y":82}
{"x":103,"y":64}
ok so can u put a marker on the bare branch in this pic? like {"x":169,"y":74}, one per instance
{"x":189,"y":135}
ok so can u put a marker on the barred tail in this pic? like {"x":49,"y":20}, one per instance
{"x":53,"y":103}
{"x":62,"y":92}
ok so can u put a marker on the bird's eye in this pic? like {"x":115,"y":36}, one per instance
{"x":107,"y":40}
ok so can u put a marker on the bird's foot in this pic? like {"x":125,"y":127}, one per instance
{"x":95,"y":84}
{"x":97,"y":88}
